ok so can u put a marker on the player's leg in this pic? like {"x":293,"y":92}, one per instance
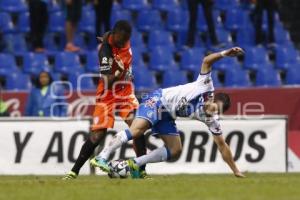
{"x":86,"y":152}
{"x":171,"y":149}
{"x":102,"y":119}
{"x":140,"y":124}
{"x":137,"y":128}
{"x":127,"y":111}
{"x":166,"y":129}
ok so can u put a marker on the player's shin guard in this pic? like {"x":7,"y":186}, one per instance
{"x":158,"y":155}
{"x":120,"y":138}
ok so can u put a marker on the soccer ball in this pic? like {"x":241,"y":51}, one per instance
{"x":119,"y":168}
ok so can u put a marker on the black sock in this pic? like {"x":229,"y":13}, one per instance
{"x":86,"y":152}
{"x":139,"y":145}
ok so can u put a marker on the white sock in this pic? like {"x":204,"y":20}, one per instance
{"x":119,"y":139}
{"x":158,"y":155}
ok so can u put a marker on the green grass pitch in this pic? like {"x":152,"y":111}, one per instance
{"x":183,"y":187}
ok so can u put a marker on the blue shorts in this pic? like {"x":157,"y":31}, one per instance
{"x":152,"y":110}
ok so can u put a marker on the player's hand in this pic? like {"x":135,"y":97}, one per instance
{"x":239,"y":175}
{"x":119,"y":62}
{"x":235,"y":51}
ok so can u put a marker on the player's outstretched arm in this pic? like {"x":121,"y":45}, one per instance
{"x":212,"y":58}
{"x":227,"y":155}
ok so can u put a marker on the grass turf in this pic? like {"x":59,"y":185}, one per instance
{"x":183,"y":187}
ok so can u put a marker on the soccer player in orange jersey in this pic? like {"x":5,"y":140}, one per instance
{"x":115,"y":93}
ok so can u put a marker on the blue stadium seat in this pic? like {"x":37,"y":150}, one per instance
{"x":216,"y":81}
{"x":255,"y":57}
{"x":81,"y":83}
{"x":136,"y":67}
{"x":66,"y":62}
{"x":225,"y":4}
{"x":34,"y":63}
{"x":53,"y":42}
{"x":292,"y":75}
{"x":13,"y":5}
{"x":226,"y":63}
{"x":164,"y":5}
{"x":267,"y":76}
{"x":282,"y":36}
{"x":237,"y":19}
{"x":55,"y":76}
{"x":23,"y":22}
{"x":56,"y":22}
{"x":15,"y":43}
{"x":182,"y":38}
{"x":142,"y":82}
{"x":88,"y":7}
{"x":286,"y":55}
{"x":191,"y":59}
{"x":137,"y":56}
{"x":92,"y":63}
{"x":134,"y":5}
{"x":18,"y":81}
{"x":87,"y":22}
{"x":160,"y":38}
{"x":201,"y":22}
{"x":80,"y":41}
{"x":120,"y":15}
{"x":116,"y":7}
{"x":174,"y":78}
{"x":161,"y":59}
{"x":54,"y":6}
{"x":7,"y":64}
{"x":177,"y":20}
{"x":6,"y":24}
{"x":265,"y":20}
{"x":223,"y":36}
{"x":146,"y":23}
{"x":236,"y":77}
{"x":136,"y":39}
{"x":245,"y":37}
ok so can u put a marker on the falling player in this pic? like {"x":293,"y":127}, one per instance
{"x":159,"y":110}
{"x":114,"y":93}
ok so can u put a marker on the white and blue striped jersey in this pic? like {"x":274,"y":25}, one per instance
{"x":188,"y":100}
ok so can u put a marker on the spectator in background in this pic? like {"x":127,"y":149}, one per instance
{"x":73,"y":15}
{"x":3,"y":109}
{"x":38,"y":23}
{"x":42,"y":99}
{"x":103,"y":12}
{"x":193,"y":10}
{"x":270,"y":7}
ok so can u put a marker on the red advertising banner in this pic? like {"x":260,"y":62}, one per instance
{"x":256,"y":101}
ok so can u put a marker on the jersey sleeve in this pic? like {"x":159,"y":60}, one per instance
{"x":105,"y":59}
{"x":205,"y":81}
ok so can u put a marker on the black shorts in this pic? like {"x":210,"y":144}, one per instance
{"x":73,"y":11}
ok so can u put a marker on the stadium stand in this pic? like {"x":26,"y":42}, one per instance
{"x":158,"y":45}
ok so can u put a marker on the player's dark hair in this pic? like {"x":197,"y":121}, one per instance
{"x":123,"y":27}
{"x":225,"y":99}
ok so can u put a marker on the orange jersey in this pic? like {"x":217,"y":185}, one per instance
{"x":108,"y":64}
{"x":120,"y":98}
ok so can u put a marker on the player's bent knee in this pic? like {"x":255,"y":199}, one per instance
{"x":137,"y":131}
{"x":176,"y":151}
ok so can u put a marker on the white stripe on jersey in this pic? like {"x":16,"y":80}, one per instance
{"x":192,"y":93}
